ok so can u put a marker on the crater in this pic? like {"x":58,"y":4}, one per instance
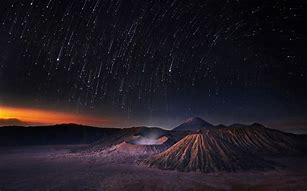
{"x":139,"y":140}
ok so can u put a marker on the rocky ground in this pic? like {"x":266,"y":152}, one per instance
{"x":56,"y":168}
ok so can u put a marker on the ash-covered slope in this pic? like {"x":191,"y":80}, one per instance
{"x":260,"y":140}
{"x":206,"y":153}
{"x":193,"y":124}
{"x":232,"y":148}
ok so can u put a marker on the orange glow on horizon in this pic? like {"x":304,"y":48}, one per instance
{"x":39,"y":116}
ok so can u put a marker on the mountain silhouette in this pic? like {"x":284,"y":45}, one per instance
{"x":193,"y":124}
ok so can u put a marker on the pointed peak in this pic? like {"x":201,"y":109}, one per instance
{"x":194,"y":119}
{"x":193,"y":124}
{"x":257,"y":125}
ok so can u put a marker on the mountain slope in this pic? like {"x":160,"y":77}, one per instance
{"x":232,"y":148}
{"x":202,"y":152}
{"x":257,"y":139}
{"x":193,"y":124}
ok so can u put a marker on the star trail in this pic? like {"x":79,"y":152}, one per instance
{"x":155,"y":62}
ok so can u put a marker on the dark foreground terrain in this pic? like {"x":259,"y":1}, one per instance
{"x":56,"y":168}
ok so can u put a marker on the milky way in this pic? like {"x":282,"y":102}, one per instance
{"x":155,"y":58}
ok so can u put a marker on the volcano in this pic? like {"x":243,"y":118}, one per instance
{"x":193,"y":124}
{"x":233,"y":148}
{"x":142,"y":146}
{"x":135,"y":141}
{"x":202,"y":152}
{"x":147,"y":135}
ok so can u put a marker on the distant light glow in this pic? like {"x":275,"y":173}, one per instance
{"x":39,"y":116}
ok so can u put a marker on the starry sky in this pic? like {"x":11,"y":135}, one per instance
{"x":152,"y":62}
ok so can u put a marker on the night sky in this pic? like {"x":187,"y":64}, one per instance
{"x":151,"y":62}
